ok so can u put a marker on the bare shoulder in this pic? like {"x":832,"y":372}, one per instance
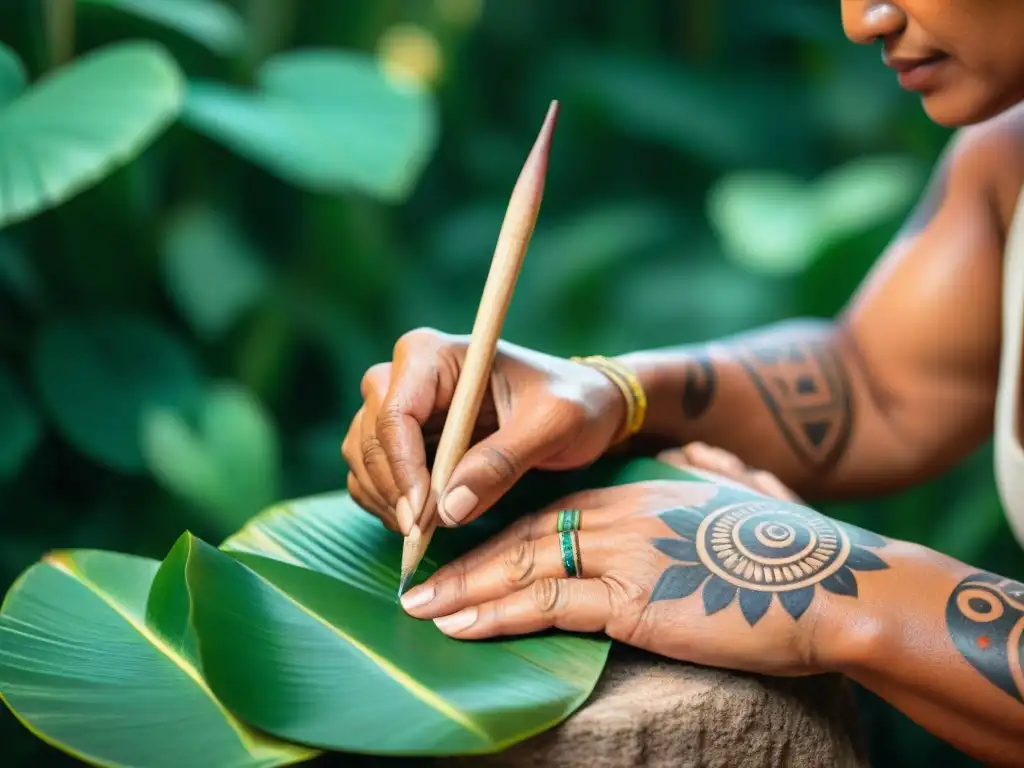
{"x":989,"y":158}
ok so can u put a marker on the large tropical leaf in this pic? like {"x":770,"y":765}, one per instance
{"x":229,"y":467}
{"x":99,"y":374}
{"x":209,"y":22}
{"x":313,"y":659}
{"x":317,"y":649}
{"x":329,"y":121}
{"x":78,"y":124}
{"x":295,"y":625}
{"x":211,"y":270}
{"x":82,"y":671}
{"x":12,"y":75}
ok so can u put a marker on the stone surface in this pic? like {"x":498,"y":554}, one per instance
{"x":647,"y":711}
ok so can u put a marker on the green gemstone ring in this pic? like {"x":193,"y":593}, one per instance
{"x":570,"y":544}
{"x":568,"y":520}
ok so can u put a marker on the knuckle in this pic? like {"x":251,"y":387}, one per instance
{"x":389,"y":421}
{"x":360,"y":496}
{"x":442,"y":574}
{"x":522,"y":529}
{"x":632,"y":595}
{"x":459,"y":584}
{"x":627,"y":595}
{"x":546,"y":595}
{"x":518,"y":562}
{"x":349,"y":444}
{"x":418,"y":338}
{"x":347,"y":453}
{"x":375,"y":381}
{"x":733,"y":462}
{"x":502,"y":465}
{"x":372,"y":449}
{"x":451,"y":580}
{"x":674,"y":456}
{"x":628,"y":603}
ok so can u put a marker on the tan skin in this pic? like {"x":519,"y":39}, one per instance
{"x":899,"y":388}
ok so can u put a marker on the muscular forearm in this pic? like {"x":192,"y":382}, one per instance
{"x":794,"y":399}
{"x":939,"y":640}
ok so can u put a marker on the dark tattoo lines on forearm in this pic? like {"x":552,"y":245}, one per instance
{"x":804,"y":385}
{"x":742,"y":545}
{"x":807,"y":391}
{"x":698,"y":387}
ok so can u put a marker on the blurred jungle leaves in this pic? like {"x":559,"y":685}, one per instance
{"x":216,"y":214}
{"x":213,"y":274}
{"x":325,"y":120}
{"x":215,"y":25}
{"x":227,"y":464}
{"x":120,"y":98}
{"x":98,"y":374}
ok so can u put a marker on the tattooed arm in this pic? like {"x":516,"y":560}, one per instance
{"x":944,"y":643}
{"x":725,"y":577}
{"x":898,"y":389}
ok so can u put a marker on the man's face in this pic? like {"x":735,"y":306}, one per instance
{"x":965,"y":57}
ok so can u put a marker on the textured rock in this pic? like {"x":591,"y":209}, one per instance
{"x":650,"y":712}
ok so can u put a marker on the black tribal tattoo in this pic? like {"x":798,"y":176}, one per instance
{"x":985,"y":620}
{"x":699,"y":387}
{"x":740,"y":544}
{"x":806,"y":389}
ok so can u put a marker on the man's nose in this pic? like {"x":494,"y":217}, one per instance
{"x":866,"y":21}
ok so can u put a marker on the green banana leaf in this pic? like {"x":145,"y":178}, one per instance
{"x":82,"y":671}
{"x":290,"y":633}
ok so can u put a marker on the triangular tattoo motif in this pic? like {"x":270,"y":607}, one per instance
{"x":808,"y":394}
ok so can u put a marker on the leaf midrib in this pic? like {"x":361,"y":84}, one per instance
{"x":403,"y":678}
{"x":64,"y":564}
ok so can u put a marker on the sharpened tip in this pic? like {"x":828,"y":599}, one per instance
{"x":403,"y":582}
{"x":535,"y":169}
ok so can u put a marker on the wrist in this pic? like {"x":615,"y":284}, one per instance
{"x":859,"y":635}
{"x":680,"y":388}
{"x":630,"y":409}
{"x":844,"y":639}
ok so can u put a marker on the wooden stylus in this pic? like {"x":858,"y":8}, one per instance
{"x":513,"y":241}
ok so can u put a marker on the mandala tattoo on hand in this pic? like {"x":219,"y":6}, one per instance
{"x":742,"y":545}
{"x":985,"y":620}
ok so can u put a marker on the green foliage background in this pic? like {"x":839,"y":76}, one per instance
{"x":182,"y":335}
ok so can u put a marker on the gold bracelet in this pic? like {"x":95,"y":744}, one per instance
{"x":629,"y":385}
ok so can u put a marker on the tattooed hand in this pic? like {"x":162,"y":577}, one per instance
{"x":696,"y":571}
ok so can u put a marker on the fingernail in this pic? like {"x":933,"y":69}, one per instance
{"x":458,"y":504}
{"x":404,"y":513}
{"x":457,"y":621}
{"x":418,"y":596}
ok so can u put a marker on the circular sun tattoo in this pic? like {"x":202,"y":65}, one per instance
{"x":760,"y":550}
{"x":756,"y":545}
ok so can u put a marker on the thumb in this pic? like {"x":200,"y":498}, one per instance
{"x":492,"y":466}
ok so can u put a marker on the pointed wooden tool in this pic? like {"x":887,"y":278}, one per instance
{"x":513,"y":241}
